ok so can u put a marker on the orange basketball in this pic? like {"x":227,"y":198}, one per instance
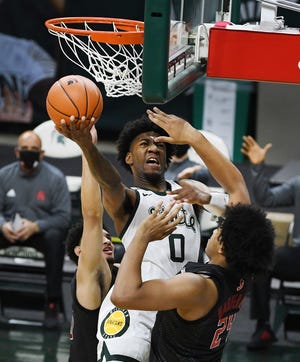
{"x":74,"y":95}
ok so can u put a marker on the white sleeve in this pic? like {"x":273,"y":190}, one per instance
{"x":217,"y":204}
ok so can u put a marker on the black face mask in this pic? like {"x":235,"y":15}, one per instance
{"x":30,"y":158}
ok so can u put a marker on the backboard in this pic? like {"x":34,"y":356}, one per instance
{"x":156,"y":59}
{"x":172,"y":56}
{"x":257,"y":46}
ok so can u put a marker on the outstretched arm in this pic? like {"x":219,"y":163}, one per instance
{"x":196,"y":193}
{"x":115,"y":193}
{"x":192,"y":295}
{"x":128,"y":286}
{"x":91,"y":262}
{"x":222,"y":169}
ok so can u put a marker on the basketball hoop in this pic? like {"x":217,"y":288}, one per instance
{"x":109,"y":49}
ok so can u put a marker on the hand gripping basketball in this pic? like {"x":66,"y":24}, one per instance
{"x":74,"y":95}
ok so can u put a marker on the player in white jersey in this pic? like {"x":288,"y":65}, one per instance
{"x":125,"y":335}
{"x":165,"y":258}
{"x":162,"y":260}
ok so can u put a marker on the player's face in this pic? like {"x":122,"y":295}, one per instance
{"x":213,"y":244}
{"x":147,"y":157}
{"x":108,"y":247}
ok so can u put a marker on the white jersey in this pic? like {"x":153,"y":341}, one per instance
{"x":125,"y":335}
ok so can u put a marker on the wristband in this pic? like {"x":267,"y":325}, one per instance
{"x":217,"y":204}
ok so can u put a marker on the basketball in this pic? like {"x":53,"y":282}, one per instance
{"x":74,"y":95}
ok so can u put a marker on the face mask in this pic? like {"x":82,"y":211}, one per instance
{"x":30,"y":158}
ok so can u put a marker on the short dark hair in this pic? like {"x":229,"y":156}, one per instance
{"x":248,"y":239}
{"x":74,"y":239}
{"x":134,"y":128}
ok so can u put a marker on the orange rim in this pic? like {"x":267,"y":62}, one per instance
{"x":128,"y":33}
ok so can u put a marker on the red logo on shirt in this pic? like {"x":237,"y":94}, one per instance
{"x":41,"y":195}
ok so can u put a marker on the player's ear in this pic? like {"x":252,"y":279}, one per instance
{"x":221,"y":248}
{"x":77,"y":250}
{"x":128,"y":158}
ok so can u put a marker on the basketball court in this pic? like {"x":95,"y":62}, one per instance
{"x":25,"y":344}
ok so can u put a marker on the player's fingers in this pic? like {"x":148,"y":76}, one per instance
{"x":62,"y":126}
{"x":172,"y":224}
{"x":170,"y":219}
{"x":247,"y":140}
{"x":93,"y":122}
{"x":164,"y":139}
{"x":245,"y":144}
{"x":172,"y":192}
{"x":81,"y":124}
{"x":165,"y":211}
{"x":174,"y":211}
{"x":251,"y":141}
{"x":175,"y":216}
{"x":177,"y":197}
{"x":159,"y":112}
{"x":168,"y":231}
{"x":156,"y":115}
{"x":179,"y":193}
{"x":157,"y":208}
{"x":73,"y":122}
{"x":268,"y":146}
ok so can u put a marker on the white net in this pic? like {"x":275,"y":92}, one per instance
{"x":117,"y":66}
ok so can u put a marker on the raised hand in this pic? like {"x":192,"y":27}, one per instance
{"x":188,"y":172}
{"x":254,"y":151}
{"x":192,"y":192}
{"x":178,"y":129}
{"x":161,"y":222}
{"x":82,"y":134}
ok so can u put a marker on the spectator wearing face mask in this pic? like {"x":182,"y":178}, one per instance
{"x":35,"y":211}
{"x":182,"y":167}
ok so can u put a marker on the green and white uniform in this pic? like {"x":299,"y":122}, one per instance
{"x":125,"y":335}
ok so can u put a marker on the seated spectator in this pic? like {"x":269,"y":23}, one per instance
{"x":35,"y":211}
{"x":286,"y":262}
{"x":182,"y":167}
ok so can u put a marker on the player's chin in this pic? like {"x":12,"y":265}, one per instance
{"x":154,"y":176}
{"x":109,"y":257}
